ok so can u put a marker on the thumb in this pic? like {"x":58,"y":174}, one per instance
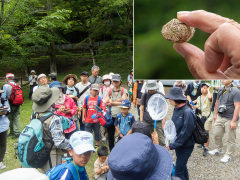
{"x":195,"y":59}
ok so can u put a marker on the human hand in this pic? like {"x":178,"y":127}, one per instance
{"x":167,"y":146}
{"x":62,"y":108}
{"x":155,"y":137}
{"x":214,"y":118}
{"x":121,"y":135}
{"x":220,"y":58}
{"x":83,"y":120}
{"x":233,"y":125}
{"x":67,"y":111}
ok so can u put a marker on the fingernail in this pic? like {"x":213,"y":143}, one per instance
{"x":183,"y":12}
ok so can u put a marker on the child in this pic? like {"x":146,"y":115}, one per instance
{"x":101,"y":165}
{"x":81,"y":148}
{"x":91,"y":123}
{"x":124,"y":121}
{"x":204,"y":104}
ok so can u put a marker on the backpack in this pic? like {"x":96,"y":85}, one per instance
{"x":86,"y":102}
{"x":130,"y":116}
{"x":54,"y":172}
{"x":105,"y":120}
{"x":31,"y":149}
{"x":16,"y":97}
{"x":200,"y":135}
{"x":110,"y":91}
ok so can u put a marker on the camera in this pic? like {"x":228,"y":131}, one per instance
{"x":222,"y":109}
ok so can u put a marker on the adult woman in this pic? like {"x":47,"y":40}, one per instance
{"x":32,"y":82}
{"x":184,"y":120}
{"x":65,"y":106}
{"x":4,"y":125}
{"x":70,"y":80}
{"x":137,"y":94}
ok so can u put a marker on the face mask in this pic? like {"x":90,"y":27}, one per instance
{"x":106,"y":83}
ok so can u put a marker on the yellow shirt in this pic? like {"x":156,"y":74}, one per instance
{"x":205,"y":105}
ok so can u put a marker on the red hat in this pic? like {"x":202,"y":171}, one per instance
{"x":9,"y":75}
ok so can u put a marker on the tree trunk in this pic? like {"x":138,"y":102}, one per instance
{"x":2,"y":12}
{"x":52,"y":47}
{"x":93,"y":52}
{"x":52,"y":58}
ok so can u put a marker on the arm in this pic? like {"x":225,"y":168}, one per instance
{"x":163,"y":122}
{"x":57,"y":133}
{"x":129,"y":132}
{"x":209,"y":94}
{"x":189,"y":98}
{"x":233,"y":124}
{"x":215,"y":111}
{"x":118,"y":131}
{"x":141,"y":112}
{"x":83,"y":115}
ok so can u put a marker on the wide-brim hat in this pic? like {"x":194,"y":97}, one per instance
{"x":44,"y":97}
{"x":151,"y":85}
{"x":33,"y":71}
{"x":151,"y":161}
{"x":70,"y":76}
{"x":175,"y":93}
{"x":206,"y":84}
{"x":106,"y":77}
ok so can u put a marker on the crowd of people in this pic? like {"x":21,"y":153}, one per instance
{"x":78,"y":102}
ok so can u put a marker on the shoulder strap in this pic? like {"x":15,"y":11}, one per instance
{"x":122,"y":90}
{"x":186,"y":107}
{"x":119,"y":118}
{"x":85,"y":89}
{"x":45,"y":117}
{"x":99,"y":101}
{"x":110,"y":92}
{"x":86,"y":101}
{"x":130,"y":118}
{"x":71,"y":167}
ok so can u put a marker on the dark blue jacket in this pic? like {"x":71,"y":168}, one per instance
{"x":184,"y":127}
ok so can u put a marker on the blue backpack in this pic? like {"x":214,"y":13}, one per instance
{"x":129,"y":118}
{"x":31,"y":149}
{"x":54,"y":172}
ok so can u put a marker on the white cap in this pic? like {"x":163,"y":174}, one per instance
{"x":81,"y":142}
{"x":106,"y":76}
{"x":41,"y":75}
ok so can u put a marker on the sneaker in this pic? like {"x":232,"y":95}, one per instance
{"x":226,"y":158}
{"x":96,"y":147}
{"x":205,"y":152}
{"x":215,"y":152}
{"x":200,"y":146}
{"x":2,"y":166}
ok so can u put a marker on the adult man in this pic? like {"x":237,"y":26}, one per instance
{"x":225,"y":118}
{"x":53,"y":79}
{"x":14,"y":109}
{"x":216,"y":84}
{"x":42,"y":81}
{"x":84,"y":90}
{"x":151,"y":86}
{"x":193,"y":92}
{"x":94,"y":78}
{"x":53,"y":133}
{"x":32,"y":82}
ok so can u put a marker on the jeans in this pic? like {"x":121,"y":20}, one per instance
{"x":31,"y":91}
{"x":111,"y":133}
{"x":138,"y":109}
{"x":183,"y":155}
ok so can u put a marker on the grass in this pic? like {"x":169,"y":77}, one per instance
{"x":10,"y":159}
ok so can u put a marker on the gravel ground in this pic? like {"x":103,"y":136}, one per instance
{"x":209,"y":167}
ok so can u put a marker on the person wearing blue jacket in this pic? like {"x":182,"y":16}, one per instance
{"x":4,"y":125}
{"x":185,"y":121}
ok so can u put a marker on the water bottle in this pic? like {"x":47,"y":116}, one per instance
{"x":64,"y":158}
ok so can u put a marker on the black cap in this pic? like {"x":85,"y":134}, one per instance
{"x":85,"y":73}
{"x":141,"y":127}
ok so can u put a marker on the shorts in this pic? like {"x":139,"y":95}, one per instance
{"x":95,"y":127}
{"x":208,"y":123}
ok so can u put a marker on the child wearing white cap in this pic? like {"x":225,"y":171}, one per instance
{"x":81,"y":149}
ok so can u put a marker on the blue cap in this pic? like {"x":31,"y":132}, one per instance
{"x":125,"y":104}
{"x":136,"y":157}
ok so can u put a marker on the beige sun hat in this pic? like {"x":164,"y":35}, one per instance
{"x":44,"y":97}
{"x":70,"y":76}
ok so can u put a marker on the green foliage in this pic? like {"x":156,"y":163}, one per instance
{"x":112,"y":47}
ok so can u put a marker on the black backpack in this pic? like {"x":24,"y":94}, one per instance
{"x":200,"y":135}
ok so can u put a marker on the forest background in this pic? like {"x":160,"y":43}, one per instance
{"x":65,"y":36}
